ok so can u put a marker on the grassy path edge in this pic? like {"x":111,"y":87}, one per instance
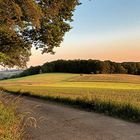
{"x":10,"y":120}
{"x":125,"y":112}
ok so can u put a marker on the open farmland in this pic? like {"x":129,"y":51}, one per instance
{"x":115,"y":95}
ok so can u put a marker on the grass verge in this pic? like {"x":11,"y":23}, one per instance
{"x":10,"y":121}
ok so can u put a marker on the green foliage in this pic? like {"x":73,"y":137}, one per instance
{"x":30,"y":71}
{"x":13,"y":50}
{"x":23,"y":23}
{"x":91,"y":66}
{"x":85,"y":66}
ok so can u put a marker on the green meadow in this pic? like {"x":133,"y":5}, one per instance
{"x":116,"y":95}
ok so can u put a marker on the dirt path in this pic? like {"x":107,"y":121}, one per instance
{"x":59,"y":122}
{"x":65,"y":123}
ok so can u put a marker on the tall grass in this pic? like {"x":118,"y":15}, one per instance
{"x":119,"y":109}
{"x":10,"y":121}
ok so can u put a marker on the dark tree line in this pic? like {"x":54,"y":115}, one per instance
{"x":85,"y":67}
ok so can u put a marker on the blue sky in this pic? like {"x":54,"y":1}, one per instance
{"x":102,"y":29}
{"x":99,"y":17}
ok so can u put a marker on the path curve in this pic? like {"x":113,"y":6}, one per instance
{"x":59,"y":122}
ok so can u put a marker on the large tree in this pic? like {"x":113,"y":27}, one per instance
{"x":27,"y":23}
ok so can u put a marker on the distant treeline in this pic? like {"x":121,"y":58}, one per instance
{"x":85,"y":67}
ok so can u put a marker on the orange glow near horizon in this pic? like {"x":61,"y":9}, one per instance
{"x":103,"y":30}
{"x":121,"y":50}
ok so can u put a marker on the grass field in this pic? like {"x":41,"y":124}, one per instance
{"x":9,"y":121}
{"x":116,"y":95}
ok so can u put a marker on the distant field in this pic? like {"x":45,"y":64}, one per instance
{"x":116,"y":94}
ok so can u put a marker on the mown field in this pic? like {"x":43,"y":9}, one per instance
{"x":113,"y":94}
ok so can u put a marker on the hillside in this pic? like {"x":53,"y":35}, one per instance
{"x":115,"y":95}
{"x":84,"y":67}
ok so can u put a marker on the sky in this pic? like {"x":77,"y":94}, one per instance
{"x":102,"y":29}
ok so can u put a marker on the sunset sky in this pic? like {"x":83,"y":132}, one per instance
{"x":102,"y":29}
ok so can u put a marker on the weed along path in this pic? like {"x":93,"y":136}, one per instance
{"x":58,"y":122}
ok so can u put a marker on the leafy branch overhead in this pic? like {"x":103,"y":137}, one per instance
{"x":26,"y":23}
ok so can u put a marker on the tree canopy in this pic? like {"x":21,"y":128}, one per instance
{"x":27,"y":23}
